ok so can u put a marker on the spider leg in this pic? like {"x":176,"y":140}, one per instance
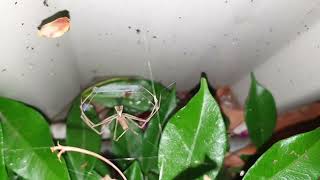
{"x":115,"y":132}
{"x":121,"y":135}
{"x":106,"y":120}
{"x":83,"y":115}
{"x":98,"y":132}
{"x":134,"y":118}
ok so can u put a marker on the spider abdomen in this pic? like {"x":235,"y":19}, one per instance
{"x":123,"y":123}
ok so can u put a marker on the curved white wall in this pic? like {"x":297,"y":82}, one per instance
{"x":35,"y":70}
{"x":292,"y":74}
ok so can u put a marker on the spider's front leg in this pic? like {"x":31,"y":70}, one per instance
{"x":134,"y":118}
{"x":124,"y":125}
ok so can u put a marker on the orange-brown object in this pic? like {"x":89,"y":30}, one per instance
{"x":55,"y":25}
{"x":285,"y":120}
{"x":235,"y":113}
{"x":234,"y":160}
{"x":55,"y":28}
{"x":302,"y":114}
{"x":230,"y":106}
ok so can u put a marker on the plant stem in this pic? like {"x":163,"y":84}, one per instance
{"x":64,"y":149}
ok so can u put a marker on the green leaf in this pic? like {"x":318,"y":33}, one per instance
{"x":151,"y":176}
{"x":93,"y":175}
{"x":134,"y":172}
{"x":3,"y":171}
{"x":151,"y":139}
{"x":27,"y":143}
{"x":195,"y":133}
{"x":294,"y":158}
{"x":135,"y":102}
{"x":129,"y":145}
{"x":101,"y":168}
{"x":260,"y":113}
{"x":80,"y":135}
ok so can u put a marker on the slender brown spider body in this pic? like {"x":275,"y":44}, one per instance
{"x":120,"y":118}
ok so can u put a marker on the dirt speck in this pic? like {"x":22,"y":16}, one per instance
{"x":22,"y":24}
{"x":129,"y":27}
{"x":32,"y":48}
{"x":45,"y":3}
{"x":138,"y":31}
{"x":4,"y":70}
{"x":15,"y":3}
{"x":154,"y":37}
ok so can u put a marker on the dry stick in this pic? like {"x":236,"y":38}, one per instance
{"x":64,"y":149}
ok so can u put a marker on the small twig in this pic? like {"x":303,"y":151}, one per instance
{"x":63,"y":149}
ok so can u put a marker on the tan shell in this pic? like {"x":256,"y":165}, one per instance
{"x":55,"y":28}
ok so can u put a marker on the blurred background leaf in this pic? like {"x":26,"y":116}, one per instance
{"x":3,"y":172}
{"x":260,"y":113}
{"x":81,"y":136}
{"x":134,"y":172}
{"x":27,"y":143}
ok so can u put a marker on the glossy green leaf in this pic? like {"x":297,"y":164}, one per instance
{"x":134,"y":172}
{"x":27,"y":143}
{"x":294,"y":158}
{"x":101,"y":168}
{"x":152,"y":176}
{"x":135,"y":102}
{"x":151,"y":138}
{"x":260,"y":113}
{"x":80,"y":135}
{"x":93,"y":175}
{"x":3,"y":172}
{"x":129,"y":145}
{"x":195,"y":133}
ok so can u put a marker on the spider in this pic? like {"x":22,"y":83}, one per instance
{"x":120,"y":117}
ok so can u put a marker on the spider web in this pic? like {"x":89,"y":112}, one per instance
{"x":151,"y":77}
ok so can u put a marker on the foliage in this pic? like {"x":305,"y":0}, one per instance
{"x":294,"y":158}
{"x":194,"y":134}
{"x":176,"y":144}
{"x":260,"y":113}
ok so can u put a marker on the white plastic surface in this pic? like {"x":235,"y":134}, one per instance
{"x":225,"y":38}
